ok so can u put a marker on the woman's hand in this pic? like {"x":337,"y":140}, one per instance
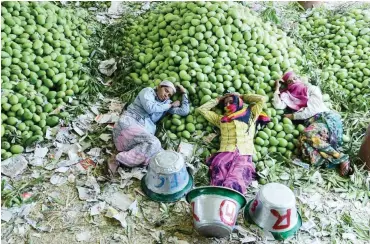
{"x":277,"y":84}
{"x":220,"y":99}
{"x":175,"y":104}
{"x":289,"y":116}
{"x":182,"y":90}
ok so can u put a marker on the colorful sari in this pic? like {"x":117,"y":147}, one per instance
{"x":320,"y":141}
{"x":232,"y":170}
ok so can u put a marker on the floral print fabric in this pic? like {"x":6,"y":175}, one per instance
{"x":134,"y":143}
{"x":319,"y":141}
{"x":232,"y":170}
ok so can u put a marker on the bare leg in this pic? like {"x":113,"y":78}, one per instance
{"x":112,"y":165}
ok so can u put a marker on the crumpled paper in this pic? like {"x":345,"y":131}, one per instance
{"x":120,"y":216}
{"x":107,"y":67}
{"x":14,"y":166}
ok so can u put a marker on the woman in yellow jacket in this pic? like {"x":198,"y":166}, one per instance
{"x":232,"y":165}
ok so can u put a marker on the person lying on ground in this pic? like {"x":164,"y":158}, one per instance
{"x":322,"y":138}
{"x":133,"y":134}
{"x":232,"y":165}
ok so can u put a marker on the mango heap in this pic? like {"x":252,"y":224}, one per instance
{"x":211,"y":47}
{"x":43,"y":49}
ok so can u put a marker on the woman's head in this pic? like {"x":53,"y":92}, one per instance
{"x":165,"y":90}
{"x":290,"y":77}
{"x":228,"y":100}
{"x":295,"y":94}
{"x":234,"y":109}
{"x":232,"y":103}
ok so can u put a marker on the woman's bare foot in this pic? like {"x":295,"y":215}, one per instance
{"x":345,"y":169}
{"x":112,"y":165}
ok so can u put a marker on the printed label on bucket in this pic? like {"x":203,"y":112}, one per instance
{"x":227,"y":212}
{"x":283,"y":220}
{"x":276,"y":220}
{"x":167,"y":184}
{"x":223,"y":210}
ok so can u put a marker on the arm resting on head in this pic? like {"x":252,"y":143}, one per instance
{"x":212,"y":117}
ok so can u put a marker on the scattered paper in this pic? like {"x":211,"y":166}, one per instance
{"x":97,"y":208}
{"x":62,"y":169}
{"x":85,"y":164}
{"x":284,"y":176}
{"x":126,"y":177}
{"x":63,"y":135}
{"x":349,"y":236}
{"x":95,"y":152}
{"x":40,"y":152}
{"x":91,"y":191}
{"x":248,"y":239}
{"x":6,"y":215}
{"x":35,"y":174}
{"x":107,"y":67}
{"x":77,"y":129}
{"x":66,"y":163}
{"x":268,"y":235}
{"x":137,"y":173}
{"x":133,"y":208}
{"x":120,"y":216}
{"x":316,"y":177}
{"x":49,"y":134}
{"x":73,"y":152}
{"x":83,"y":236}
{"x":95,"y":110}
{"x":92,"y":183}
{"x":254,"y":184}
{"x":36,"y":226}
{"x":146,"y":6}
{"x":115,"y":8}
{"x":14,"y":166}
{"x":25,"y":210}
{"x":87,"y":194}
{"x":107,"y":118}
{"x":113,"y":196}
{"x":119,"y":200}
{"x":116,"y":106}
{"x":36,"y":162}
{"x":298,"y":162}
{"x":244,"y":232}
{"x":105,"y":137}
{"x":187,"y":150}
{"x":308,"y":225}
{"x":71,"y":178}
{"x":58,"y":180}
{"x":61,"y":148}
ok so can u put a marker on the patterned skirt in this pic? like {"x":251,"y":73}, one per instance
{"x":134,"y":143}
{"x":232,"y":170}
{"x":320,"y":140}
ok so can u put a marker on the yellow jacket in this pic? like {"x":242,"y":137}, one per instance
{"x":235,"y":134}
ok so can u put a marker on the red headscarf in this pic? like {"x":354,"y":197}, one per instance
{"x":237,"y":111}
{"x":295,"y":95}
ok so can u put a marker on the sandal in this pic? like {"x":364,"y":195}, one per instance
{"x":345,"y":169}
